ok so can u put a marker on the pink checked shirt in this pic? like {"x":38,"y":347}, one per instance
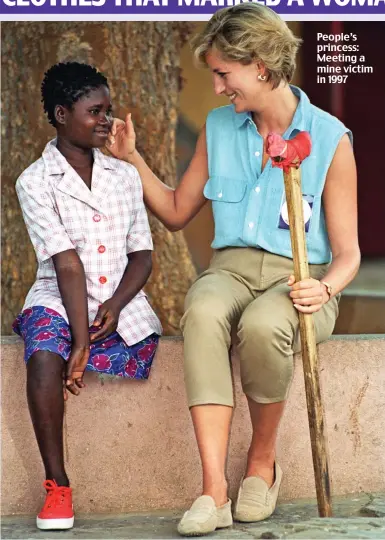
{"x":103,"y":225}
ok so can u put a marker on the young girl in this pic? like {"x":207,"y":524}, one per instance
{"x":86,"y":310}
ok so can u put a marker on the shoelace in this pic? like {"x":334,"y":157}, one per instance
{"x":55,"y":493}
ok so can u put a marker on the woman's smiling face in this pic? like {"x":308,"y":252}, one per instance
{"x":236,"y":81}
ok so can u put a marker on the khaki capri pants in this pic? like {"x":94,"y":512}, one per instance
{"x":245,"y":288}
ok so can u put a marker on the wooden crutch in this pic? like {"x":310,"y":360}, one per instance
{"x":289,"y":157}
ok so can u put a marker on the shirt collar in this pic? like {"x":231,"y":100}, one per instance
{"x":56,"y":163}
{"x":299,"y":122}
{"x":241,"y":118}
{"x":301,"y":116}
{"x":103,"y":161}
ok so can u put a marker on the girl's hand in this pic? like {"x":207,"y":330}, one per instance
{"x":121,"y":140}
{"x":308,"y":295}
{"x":107,"y":319}
{"x":74,"y":370}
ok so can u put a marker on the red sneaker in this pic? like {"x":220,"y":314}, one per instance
{"x":57,"y":512}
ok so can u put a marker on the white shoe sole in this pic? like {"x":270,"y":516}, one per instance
{"x":52,"y":524}
{"x":197,"y":528}
{"x":250,"y":517}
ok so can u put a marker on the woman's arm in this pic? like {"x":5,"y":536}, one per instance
{"x":173,"y":207}
{"x":340,"y":204}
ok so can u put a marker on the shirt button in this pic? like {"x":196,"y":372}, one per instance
{"x":257,"y":189}
{"x":102,"y":280}
{"x":101,"y":249}
{"x":220,"y":195}
{"x":257,"y":154}
{"x":96,"y":218}
{"x":251,"y":224}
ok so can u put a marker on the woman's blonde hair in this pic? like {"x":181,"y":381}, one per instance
{"x":249,"y":33}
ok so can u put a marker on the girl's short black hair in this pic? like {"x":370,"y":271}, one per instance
{"x":65,"y":83}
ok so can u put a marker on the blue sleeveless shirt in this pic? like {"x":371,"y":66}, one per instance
{"x":249,"y":204}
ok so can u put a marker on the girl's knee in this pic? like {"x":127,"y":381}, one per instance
{"x":45,"y":365}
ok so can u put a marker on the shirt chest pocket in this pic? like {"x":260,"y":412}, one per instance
{"x":228,"y":199}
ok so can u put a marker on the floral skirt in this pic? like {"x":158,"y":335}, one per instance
{"x":43,"y":329}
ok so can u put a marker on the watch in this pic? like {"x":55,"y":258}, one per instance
{"x":329,"y":289}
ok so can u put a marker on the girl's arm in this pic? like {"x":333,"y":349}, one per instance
{"x":173,"y":207}
{"x":50,"y":240}
{"x":135,"y":276}
{"x":73,"y":290}
{"x":340,"y":204}
{"x":138,"y":248}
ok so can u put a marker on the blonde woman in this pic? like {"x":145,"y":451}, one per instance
{"x":249,"y":284}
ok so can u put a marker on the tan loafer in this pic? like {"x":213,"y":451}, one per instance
{"x":256,"y":501}
{"x":204,"y":517}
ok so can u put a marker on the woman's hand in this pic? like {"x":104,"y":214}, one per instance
{"x":107,"y":319}
{"x":308,"y":295}
{"x":74,"y":369}
{"x":121,"y":140}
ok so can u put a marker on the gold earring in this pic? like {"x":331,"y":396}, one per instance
{"x":262,"y":77}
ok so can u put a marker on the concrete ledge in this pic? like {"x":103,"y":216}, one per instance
{"x":130,"y":446}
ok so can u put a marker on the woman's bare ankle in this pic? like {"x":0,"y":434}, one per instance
{"x":262,"y":466}
{"x":266,"y":473}
{"x":216,"y":490}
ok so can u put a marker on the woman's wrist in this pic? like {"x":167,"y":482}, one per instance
{"x":132,"y":157}
{"x":326,"y":291}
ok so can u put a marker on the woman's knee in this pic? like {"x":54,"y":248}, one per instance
{"x":266,"y":358}
{"x":263,"y":332}
{"x":206,"y":312}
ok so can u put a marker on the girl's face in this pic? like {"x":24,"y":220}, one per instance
{"x":236,"y":81}
{"x":88,"y":123}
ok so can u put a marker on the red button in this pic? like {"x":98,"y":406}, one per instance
{"x":97,"y":218}
{"x":101,"y":249}
{"x":102,"y":280}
